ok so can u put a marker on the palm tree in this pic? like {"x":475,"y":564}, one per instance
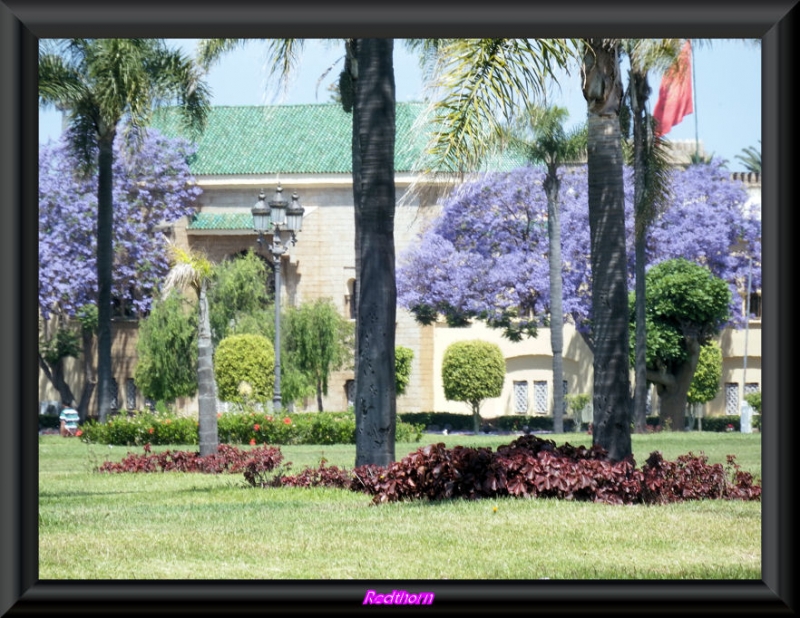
{"x":103,"y":85}
{"x":478,"y":86}
{"x":484,"y":80}
{"x":751,"y":158}
{"x":192,"y":269}
{"x":553,"y":146}
{"x":368,"y":83}
{"x":374,"y":199}
{"x":602,"y":89}
{"x":651,"y":190}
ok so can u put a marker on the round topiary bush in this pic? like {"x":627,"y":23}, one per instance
{"x":471,"y":372}
{"x":244,"y":367}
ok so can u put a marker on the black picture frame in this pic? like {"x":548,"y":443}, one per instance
{"x":22,"y":22}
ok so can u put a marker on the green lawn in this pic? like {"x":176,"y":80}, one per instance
{"x":190,"y":526}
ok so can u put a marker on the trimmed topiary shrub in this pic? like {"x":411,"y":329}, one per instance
{"x":244,"y":368}
{"x":402,"y":368}
{"x":471,"y":372}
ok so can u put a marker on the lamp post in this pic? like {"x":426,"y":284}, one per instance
{"x":746,"y":413}
{"x":281,"y":217}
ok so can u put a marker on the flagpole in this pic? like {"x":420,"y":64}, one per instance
{"x":694,"y":107}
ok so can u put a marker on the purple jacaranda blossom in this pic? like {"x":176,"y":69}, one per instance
{"x":485,"y":256}
{"x":151,"y":188}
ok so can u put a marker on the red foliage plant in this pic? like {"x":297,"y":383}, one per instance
{"x":528,"y":467}
{"x":227,"y":459}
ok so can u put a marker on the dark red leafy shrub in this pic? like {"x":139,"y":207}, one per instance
{"x":323,"y":476}
{"x":227,"y":459}
{"x":691,"y":477}
{"x":528,"y":467}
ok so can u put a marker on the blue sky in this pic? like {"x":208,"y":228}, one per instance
{"x":727,"y":115}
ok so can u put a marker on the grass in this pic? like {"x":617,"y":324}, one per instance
{"x":193,"y":526}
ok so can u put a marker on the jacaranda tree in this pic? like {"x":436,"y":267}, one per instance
{"x":150,"y":188}
{"x":105,"y":87}
{"x":485,"y":257}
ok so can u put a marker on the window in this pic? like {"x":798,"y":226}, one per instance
{"x":350,"y":392}
{"x":540,"y":396}
{"x":751,"y":387}
{"x":520,"y":397}
{"x":124,"y":306}
{"x":731,"y":398}
{"x":130,"y":394}
{"x":755,"y":306}
{"x":114,"y":394}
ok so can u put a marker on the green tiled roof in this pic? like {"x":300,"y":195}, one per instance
{"x":213,"y":221}
{"x":297,"y":139}
{"x":290,"y":139}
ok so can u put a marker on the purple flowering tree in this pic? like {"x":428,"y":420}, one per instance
{"x":151,"y":188}
{"x":485,"y":256}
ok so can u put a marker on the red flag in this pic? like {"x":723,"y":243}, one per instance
{"x":675,"y":93}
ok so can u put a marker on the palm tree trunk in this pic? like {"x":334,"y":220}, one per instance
{"x":207,"y":402}
{"x":105,"y":258}
{"x":374,"y":195}
{"x":551,"y":188}
{"x":639,"y":89}
{"x":351,"y":66}
{"x":89,"y":378}
{"x":611,"y":398}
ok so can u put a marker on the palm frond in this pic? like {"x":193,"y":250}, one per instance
{"x":482,"y":82}
{"x":657,"y":182}
{"x":105,"y":84}
{"x":653,"y":54}
{"x":209,"y":51}
{"x":188,"y":268}
{"x":751,"y":158}
{"x":60,"y":83}
{"x":176,"y":78}
{"x":540,"y":134}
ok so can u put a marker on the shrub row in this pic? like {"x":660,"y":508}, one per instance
{"x":437,"y":421}
{"x":528,"y":467}
{"x":236,"y":428}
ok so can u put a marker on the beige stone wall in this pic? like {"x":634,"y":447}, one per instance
{"x":322,"y":264}
{"x":124,"y":334}
{"x":529,"y":360}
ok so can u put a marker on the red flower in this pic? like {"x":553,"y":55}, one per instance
{"x":151,"y":430}
{"x":287,"y":421}
{"x":256,"y":427}
{"x":79,"y":433}
{"x":269,"y":418}
{"x":252,"y":441}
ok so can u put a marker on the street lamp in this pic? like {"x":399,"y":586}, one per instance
{"x":282,"y":217}
{"x":746,"y":413}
